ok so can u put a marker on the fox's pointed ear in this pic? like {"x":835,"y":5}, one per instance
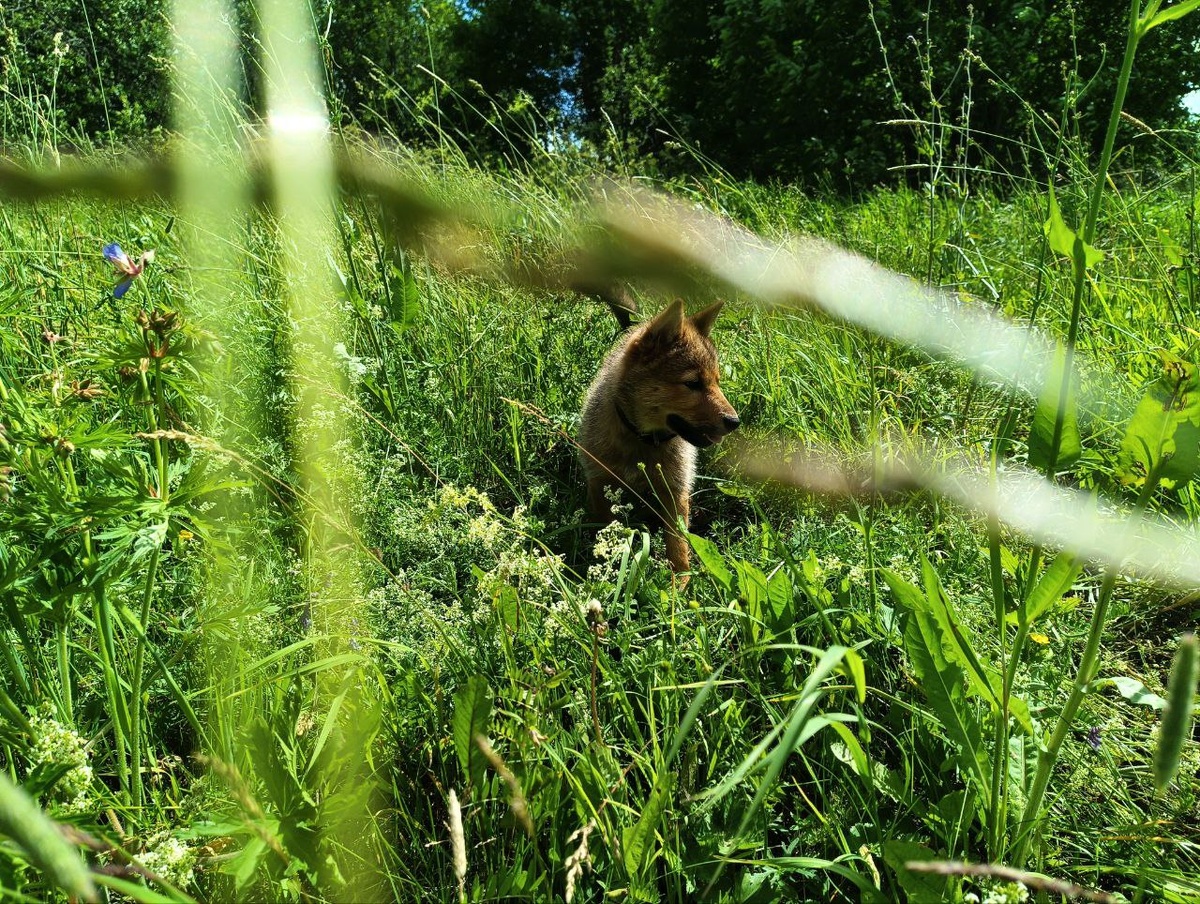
{"x":704,"y":320}
{"x":667,"y":325}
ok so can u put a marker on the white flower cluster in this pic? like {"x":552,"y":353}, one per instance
{"x":612,"y":541}
{"x":169,"y":859}
{"x":999,"y":893}
{"x":56,"y":744}
{"x":530,"y":571}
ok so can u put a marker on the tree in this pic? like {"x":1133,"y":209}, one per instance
{"x":773,"y":89}
{"x":101,"y":65}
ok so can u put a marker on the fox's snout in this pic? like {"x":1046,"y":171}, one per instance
{"x":724,"y":419}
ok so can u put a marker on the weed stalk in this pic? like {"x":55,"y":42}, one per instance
{"x":155,"y":416}
{"x":1088,"y":665}
{"x":1079,"y":258}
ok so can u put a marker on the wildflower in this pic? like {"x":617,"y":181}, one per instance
{"x":594,"y":614}
{"x":1093,"y":737}
{"x":125,"y":266}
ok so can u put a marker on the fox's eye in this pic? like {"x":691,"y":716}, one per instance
{"x":694,"y":384}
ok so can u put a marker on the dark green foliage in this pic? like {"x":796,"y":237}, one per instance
{"x":761,"y":89}
{"x":101,"y":65}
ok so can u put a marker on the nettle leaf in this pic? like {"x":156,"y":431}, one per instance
{"x":1066,"y":241}
{"x":1164,"y":432}
{"x":472,"y":707}
{"x":1041,"y":436}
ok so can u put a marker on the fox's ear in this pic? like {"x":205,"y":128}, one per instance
{"x":667,"y":325}
{"x":704,"y":320}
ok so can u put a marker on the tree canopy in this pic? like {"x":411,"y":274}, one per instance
{"x":848,"y":91}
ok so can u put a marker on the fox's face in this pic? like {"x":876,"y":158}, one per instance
{"x":671,"y":377}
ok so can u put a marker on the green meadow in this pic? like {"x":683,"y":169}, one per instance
{"x":299,"y":599}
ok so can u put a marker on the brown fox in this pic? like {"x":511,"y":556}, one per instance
{"x":654,"y":401}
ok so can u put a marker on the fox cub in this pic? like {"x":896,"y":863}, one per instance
{"x":653,"y":403}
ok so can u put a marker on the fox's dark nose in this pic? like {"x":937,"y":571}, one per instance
{"x":732,"y":422}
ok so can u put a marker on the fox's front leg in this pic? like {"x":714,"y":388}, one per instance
{"x":678,"y":551}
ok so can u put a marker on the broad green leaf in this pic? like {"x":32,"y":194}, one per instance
{"x":706,"y":552}
{"x":1066,"y":241}
{"x":636,"y":839}
{"x":1133,"y":691}
{"x":942,"y":679}
{"x":854,"y":668}
{"x":1019,"y":710}
{"x":781,"y":601}
{"x":855,"y":753}
{"x":752,"y":588}
{"x":246,"y":861}
{"x":1054,"y":582}
{"x":508,"y":607}
{"x":472,"y":707}
{"x":405,"y":297}
{"x":918,"y":886}
{"x":1172,"y":250}
{"x":1176,"y":11}
{"x":1177,"y":720}
{"x":1164,"y":432}
{"x":982,"y":678}
{"x":1041,"y":436}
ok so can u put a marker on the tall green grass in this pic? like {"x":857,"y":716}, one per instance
{"x":300,"y":601}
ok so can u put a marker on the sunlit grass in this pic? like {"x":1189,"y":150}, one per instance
{"x":294,"y":567}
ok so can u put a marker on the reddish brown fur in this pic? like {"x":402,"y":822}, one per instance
{"x":657,"y":386}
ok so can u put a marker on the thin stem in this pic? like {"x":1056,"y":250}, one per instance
{"x":161,"y":454}
{"x":997,"y":813}
{"x":64,"y":667}
{"x":112,"y":683}
{"x":1088,"y":666}
{"x":139,"y":656}
{"x":1079,"y":259}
